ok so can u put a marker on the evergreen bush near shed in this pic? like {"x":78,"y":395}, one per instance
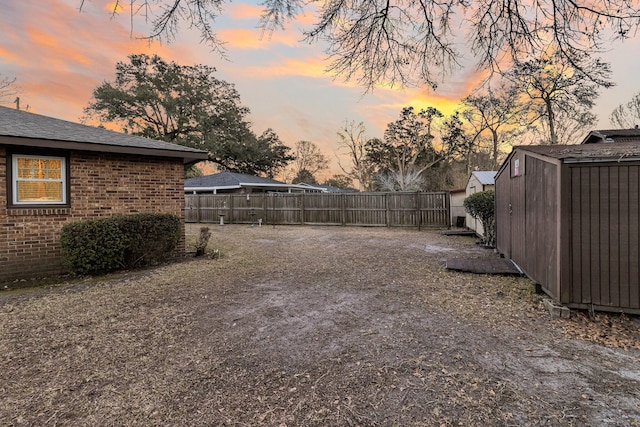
{"x":102,"y":245}
{"x":481,"y":206}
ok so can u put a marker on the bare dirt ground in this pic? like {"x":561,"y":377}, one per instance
{"x":312,"y":326}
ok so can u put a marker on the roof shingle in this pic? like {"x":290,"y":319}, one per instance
{"x":224,"y":179}
{"x":613,"y":151}
{"x":64,"y":134}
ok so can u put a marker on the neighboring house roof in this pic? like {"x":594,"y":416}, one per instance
{"x":28,"y":129}
{"x":619,"y":151}
{"x":233,"y":180}
{"x":612,"y":135}
{"x":328,"y":188}
{"x":485,"y":177}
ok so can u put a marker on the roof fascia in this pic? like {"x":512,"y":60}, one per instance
{"x":220,"y":187}
{"x":187,"y":156}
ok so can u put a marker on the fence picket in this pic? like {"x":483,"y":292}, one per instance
{"x":361,"y":209}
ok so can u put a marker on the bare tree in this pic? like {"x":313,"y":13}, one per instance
{"x":398,"y":42}
{"x":406,"y":180}
{"x":412,"y":146}
{"x":353,"y":141}
{"x":561,"y":91}
{"x":308,"y":159}
{"x":8,"y":90}
{"x":627,"y":116}
{"x":498,"y":114}
{"x":570,"y":128}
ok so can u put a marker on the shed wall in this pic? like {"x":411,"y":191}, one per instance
{"x":101,"y":185}
{"x":457,"y":206}
{"x":503,"y":212}
{"x":527,"y":218}
{"x":541,"y":224}
{"x":604,"y":236}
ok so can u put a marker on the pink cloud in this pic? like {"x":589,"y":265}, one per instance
{"x":63,"y":55}
{"x":256,"y":39}
{"x":244,"y":11}
{"x":255,"y":12}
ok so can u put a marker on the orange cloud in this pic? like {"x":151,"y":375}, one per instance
{"x":447,"y":98}
{"x":8,"y":56}
{"x":56,"y":53}
{"x":307,"y":67}
{"x":244,"y":11}
{"x":115,"y":7}
{"x":306,"y":19}
{"x":257,"y":39}
{"x":59,"y":55}
{"x":255,"y":12}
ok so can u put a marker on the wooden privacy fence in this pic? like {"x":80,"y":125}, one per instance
{"x":358,"y":209}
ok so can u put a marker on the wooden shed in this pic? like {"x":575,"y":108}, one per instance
{"x":568,"y":217}
{"x":478,"y":181}
{"x":456,"y":202}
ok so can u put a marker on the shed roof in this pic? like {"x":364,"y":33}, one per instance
{"x":612,"y":135}
{"x":591,"y":152}
{"x":485,"y":177}
{"x":29,"y":129}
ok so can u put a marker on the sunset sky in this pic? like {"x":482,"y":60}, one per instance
{"x":59,"y":55}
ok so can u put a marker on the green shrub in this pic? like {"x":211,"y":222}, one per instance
{"x":481,"y":206}
{"x":119,"y":242}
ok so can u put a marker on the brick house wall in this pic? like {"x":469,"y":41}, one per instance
{"x":101,"y":184}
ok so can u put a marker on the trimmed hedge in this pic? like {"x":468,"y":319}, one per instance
{"x":119,"y":242}
{"x":481,"y":206}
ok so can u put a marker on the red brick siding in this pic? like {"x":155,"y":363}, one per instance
{"x":101,"y":185}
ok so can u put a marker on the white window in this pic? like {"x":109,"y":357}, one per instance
{"x":39,"y":180}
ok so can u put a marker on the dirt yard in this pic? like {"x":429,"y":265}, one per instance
{"x":312,"y":326}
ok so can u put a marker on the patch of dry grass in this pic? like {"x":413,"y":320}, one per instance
{"x":307,"y":326}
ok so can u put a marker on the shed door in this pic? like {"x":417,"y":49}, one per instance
{"x":503,"y":214}
{"x":510,"y":210}
{"x":605,"y":235}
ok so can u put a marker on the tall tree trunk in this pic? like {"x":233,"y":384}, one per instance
{"x":494,"y":134}
{"x":551,"y":118}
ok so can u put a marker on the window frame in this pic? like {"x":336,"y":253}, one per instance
{"x":12,"y":178}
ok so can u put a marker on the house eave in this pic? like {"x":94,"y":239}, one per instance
{"x":187,"y":157}
{"x":216,"y":188}
{"x":288,"y":186}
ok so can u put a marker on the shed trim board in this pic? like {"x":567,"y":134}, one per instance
{"x":572,"y":226}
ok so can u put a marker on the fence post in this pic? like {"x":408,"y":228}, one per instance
{"x":447,"y":205}
{"x":198,"y":209}
{"x":419,"y":209}
{"x":231,"y":209}
{"x":387,"y":211}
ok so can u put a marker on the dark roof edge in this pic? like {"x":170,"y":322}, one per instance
{"x":505,"y":162}
{"x":186,"y":156}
